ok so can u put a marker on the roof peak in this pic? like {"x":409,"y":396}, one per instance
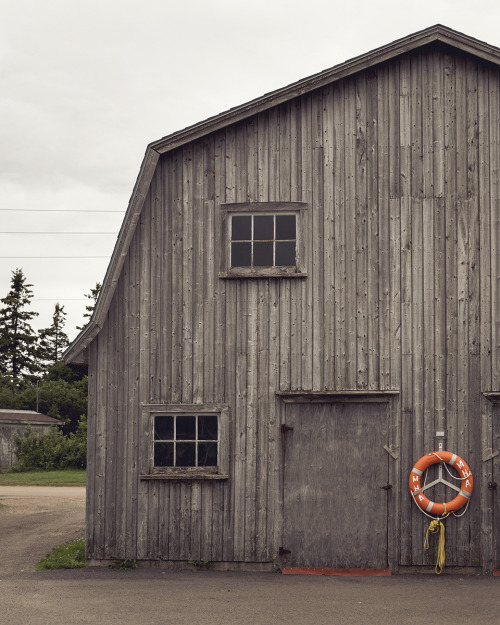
{"x":76,"y":353}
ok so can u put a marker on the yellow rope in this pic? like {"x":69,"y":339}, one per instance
{"x":435,"y":527}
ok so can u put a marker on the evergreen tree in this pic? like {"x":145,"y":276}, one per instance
{"x":93,"y":295}
{"x":53,"y":340}
{"x":18,"y":341}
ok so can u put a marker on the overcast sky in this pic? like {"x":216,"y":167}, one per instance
{"x":86,"y":85}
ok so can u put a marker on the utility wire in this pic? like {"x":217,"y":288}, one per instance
{"x":54,"y":256}
{"x":58,"y":210}
{"x":23,"y":232}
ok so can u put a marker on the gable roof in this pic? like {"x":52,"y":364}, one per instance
{"x":26,"y":416}
{"x":76,"y":353}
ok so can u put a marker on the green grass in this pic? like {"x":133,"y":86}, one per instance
{"x":68,"y":477}
{"x":71,"y":555}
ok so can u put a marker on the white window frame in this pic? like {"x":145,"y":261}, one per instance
{"x":148,"y":468}
{"x":263,"y":208}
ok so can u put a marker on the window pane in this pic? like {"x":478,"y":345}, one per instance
{"x":186,"y":428}
{"x":263,"y":228}
{"x":207,"y":427}
{"x":285,"y":254}
{"x":207,"y":454}
{"x":185,"y":455}
{"x":285,"y":227}
{"x":241,"y":228}
{"x":241,"y":254}
{"x":164,"y":428}
{"x":263,"y":254}
{"x":164,"y":454}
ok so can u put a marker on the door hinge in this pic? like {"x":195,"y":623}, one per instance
{"x":285,"y":428}
{"x":283,"y":552}
{"x":492,"y":485}
{"x":386,"y":487}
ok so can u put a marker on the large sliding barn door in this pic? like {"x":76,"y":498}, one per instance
{"x":335,"y":511}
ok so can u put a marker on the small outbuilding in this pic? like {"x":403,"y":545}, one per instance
{"x":303,"y":300}
{"x":15,"y":423}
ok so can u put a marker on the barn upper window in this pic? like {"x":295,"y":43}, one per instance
{"x":186,"y":441}
{"x":263,"y":239}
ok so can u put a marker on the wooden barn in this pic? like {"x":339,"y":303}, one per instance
{"x":303,"y":300}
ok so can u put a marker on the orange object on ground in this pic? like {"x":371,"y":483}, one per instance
{"x":307,"y":570}
{"x":466,"y":483}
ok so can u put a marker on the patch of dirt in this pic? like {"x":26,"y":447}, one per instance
{"x":34,"y":520}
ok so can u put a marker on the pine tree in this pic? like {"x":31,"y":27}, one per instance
{"x":53,"y":340}
{"x":18,"y":341}
{"x":93,"y":295}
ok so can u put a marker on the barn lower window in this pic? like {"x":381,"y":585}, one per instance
{"x":186,"y":441}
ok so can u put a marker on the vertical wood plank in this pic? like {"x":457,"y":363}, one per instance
{"x":153,"y":234}
{"x":340,"y":256}
{"x":111,"y":423}
{"x":91,"y":539}
{"x":199,"y":276}
{"x":209,"y":287}
{"x":376,"y":281}
{"x":133,"y":412}
{"x":486,"y":442}
{"x":350,"y":233}
{"x":495,"y":227}
{"x":177,"y":277}
{"x":411,"y":441}
{"x":328,"y":199}
{"x":306,"y":329}
{"x":144,"y":433}
{"x":188,"y":277}
{"x":385,"y":239}
{"x":453,"y":207}
{"x":361,"y":235}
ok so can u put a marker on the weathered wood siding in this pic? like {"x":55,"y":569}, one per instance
{"x":399,"y":166}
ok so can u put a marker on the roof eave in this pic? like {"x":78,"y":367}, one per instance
{"x":77,"y":351}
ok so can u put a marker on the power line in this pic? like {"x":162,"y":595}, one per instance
{"x":58,"y":210}
{"x":23,"y":232}
{"x":55,"y":257}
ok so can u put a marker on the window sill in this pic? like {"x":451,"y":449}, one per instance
{"x":269,"y":273}
{"x":493,"y":396}
{"x":184,"y":476}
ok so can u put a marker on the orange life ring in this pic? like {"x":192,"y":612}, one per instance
{"x":465,"y":485}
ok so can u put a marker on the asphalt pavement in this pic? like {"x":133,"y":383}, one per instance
{"x":103,"y":596}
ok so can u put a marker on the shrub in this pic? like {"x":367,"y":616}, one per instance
{"x":52,"y":450}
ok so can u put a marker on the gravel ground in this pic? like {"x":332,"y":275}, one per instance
{"x":36,"y":519}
